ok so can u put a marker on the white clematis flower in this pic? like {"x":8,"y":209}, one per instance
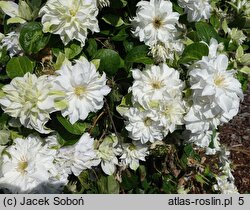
{"x":163,"y":51}
{"x":143,"y":125}
{"x":84,"y":88}
{"x":202,"y":118}
{"x":78,"y":157}
{"x":30,"y":99}
{"x":155,"y":83}
{"x":155,"y":21}
{"x":196,"y":9}
{"x":132,"y":154}
{"x":107,"y":152}
{"x":70,"y":19}
{"x":11,"y":42}
{"x":28,"y":166}
{"x":171,"y":114}
{"x":210,"y":78}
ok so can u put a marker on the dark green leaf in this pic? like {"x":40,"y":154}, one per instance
{"x":118,"y":3}
{"x":194,"y":52}
{"x":128,"y":45}
{"x":4,"y":58}
{"x":32,"y":39}
{"x":77,"y":128}
{"x":19,"y":66}
{"x":91,"y":47}
{"x":139,"y":54}
{"x":129,"y":181}
{"x":122,"y":35}
{"x":72,"y":49}
{"x":113,"y":20}
{"x":3,"y":120}
{"x":108,"y":185}
{"x":110,"y":61}
{"x":35,"y":3}
{"x":206,"y":32}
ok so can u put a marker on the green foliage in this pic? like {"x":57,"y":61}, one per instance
{"x":118,"y":3}
{"x":113,"y":20}
{"x":32,"y":39}
{"x":173,"y":165}
{"x":77,"y":128}
{"x":194,"y":52}
{"x":108,"y":185}
{"x":72,"y":50}
{"x":110,"y":61}
{"x":19,"y":66}
{"x":91,"y":47}
{"x":139,"y":54}
{"x":206,"y":32}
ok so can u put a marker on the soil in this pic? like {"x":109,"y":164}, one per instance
{"x":236,"y":136}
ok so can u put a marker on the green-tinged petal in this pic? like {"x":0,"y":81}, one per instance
{"x":24,"y":10}
{"x":10,"y":8}
{"x":15,"y":20}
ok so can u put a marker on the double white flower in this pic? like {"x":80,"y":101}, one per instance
{"x":156,"y":25}
{"x":107,"y":153}
{"x":157,"y":100}
{"x":196,"y":9}
{"x":78,"y":157}
{"x":28,"y":166}
{"x":70,"y":19}
{"x":216,"y":94}
{"x":31,"y":100}
{"x":84,"y":89}
{"x":133,"y":153}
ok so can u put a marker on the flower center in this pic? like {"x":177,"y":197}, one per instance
{"x":132,"y":147}
{"x":79,"y":90}
{"x":72,"y":12}
{"x":157,"y":23}
{"x":22,"y":165}
{"x":219,"y":80}
{"x":148,"y":121}
{"x":156,"y":85}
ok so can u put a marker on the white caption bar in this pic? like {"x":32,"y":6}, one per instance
{"x":125,"y":202}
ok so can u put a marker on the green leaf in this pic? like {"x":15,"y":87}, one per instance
{"x":125,"y":104}
{"x":4,"y":57}
{"x":245,"y":70}
{"x":121,"y":36}
{"x":139,"y":54}
{"x":206,"y":32}
{"x":113,"y":20}
{"x":3,"y":120}
{"x":128,"y":45}
{"x":77,"y":128}
{"x":59,"y":61}
{"x":108,"y":185}
{"x":72,"y":49}
{"x":110,"y":61}
{"x":32,"y":39}
{"x":194,"y":52}
{"x":96,"y":62}
{"x":19,"y":66}
{"x":215,"y":21}
{"x":35,"y":3}
{"x":118,"y":3}
{"x":129,"y":181}
{"x":91,"y":47}
{"x":4,"y":137}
